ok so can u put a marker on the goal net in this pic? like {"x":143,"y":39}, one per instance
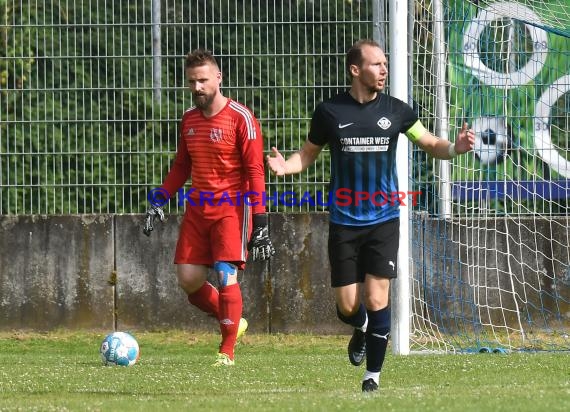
{"x":491,"y":234}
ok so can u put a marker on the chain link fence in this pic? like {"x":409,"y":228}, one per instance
{"x":92,"y":91}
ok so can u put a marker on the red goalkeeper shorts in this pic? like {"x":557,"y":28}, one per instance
{"x":211,"y":233}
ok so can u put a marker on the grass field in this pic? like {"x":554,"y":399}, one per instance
{"x":62,"y":371}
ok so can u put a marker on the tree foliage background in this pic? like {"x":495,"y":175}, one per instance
{"x":83,"y":129}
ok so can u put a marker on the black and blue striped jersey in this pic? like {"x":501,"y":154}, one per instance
{"x":362,"y":140}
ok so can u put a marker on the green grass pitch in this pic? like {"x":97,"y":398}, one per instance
{"x":62,"y":371}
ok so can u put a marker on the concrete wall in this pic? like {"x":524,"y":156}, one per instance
{"x":54,"y":271}
{"x":92,"y":271}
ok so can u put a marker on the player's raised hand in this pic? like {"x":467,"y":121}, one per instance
{"x":465,"y":139}
{"x":276,"y":162}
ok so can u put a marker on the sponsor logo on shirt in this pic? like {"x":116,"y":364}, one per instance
{"x":365,"y":144}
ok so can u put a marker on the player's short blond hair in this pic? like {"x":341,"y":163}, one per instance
{"x":200,"y":57}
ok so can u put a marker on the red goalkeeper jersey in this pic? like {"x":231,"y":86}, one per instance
{"x":223,"y":156}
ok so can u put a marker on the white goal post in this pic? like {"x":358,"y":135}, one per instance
{"x":398,"y":64}
{"x":486,"y":263}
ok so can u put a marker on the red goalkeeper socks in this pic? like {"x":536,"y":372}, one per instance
{"x":230,"y":315}
{"x":206,"y":299}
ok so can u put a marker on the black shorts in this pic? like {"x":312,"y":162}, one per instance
{"x":356,"y":251}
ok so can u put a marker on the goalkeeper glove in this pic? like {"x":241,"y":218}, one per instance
{"x":259,"y":244}
{"x":152,"y":213}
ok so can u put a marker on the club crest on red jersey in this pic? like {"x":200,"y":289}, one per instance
{"x":216,"y":135}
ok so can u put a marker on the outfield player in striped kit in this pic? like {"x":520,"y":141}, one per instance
{"x":221,"y":150}
{"x":361,"y":127}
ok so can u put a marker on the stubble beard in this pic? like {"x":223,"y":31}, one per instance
{"x":375,"y":89}
{"x":378,"y":88}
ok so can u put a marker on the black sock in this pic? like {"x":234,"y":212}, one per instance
{"x":377,"y":335}
{"x":357,"y":320}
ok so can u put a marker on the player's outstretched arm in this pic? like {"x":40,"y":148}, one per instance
{"x":296,"y":163}
{"x":443,"y":149}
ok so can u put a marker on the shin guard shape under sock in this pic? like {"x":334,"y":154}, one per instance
{"x":230,"y":314}
{"x":377,"y":335}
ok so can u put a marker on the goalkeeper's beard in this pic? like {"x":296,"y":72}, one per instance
{"x":203,"y":101}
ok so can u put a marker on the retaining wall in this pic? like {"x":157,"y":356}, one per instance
{"x":92,"y":271}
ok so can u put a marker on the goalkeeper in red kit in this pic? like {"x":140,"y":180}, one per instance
{"x":221,"y":150}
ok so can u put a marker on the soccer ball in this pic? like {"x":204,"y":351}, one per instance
{"x":119,"y":348}
{"x":492,"y":139}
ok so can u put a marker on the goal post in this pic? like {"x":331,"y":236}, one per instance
{"x":489,"y":245}
{"x":398,"y":64}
